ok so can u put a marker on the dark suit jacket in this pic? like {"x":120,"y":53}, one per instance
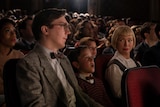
{"x":39,"y":86}
{"x":152,"y":56}
{"x":139,"y":51}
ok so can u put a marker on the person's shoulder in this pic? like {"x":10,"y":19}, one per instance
{"x":153,"y":50}
{"x":32,"y":54}
{"x":30,"y":59}
{"x":141,"y":45}
{"x":157,"y":46}
{"x":17,"y":53}
{"x":138,"y":45}
{"x":112,"y":67}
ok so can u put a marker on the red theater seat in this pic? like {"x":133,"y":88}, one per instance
{"x":101,"y":62}
{"x":10,"y":86}
{"x":141,"y":87}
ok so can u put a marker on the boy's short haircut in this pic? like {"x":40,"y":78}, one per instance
{"x":45,"y":17}
{"x":74,"y":54}
{"x":85,"y":40}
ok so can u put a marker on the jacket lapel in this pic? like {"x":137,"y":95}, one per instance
{"x":51,"y":75}
{"x":69,"y":73}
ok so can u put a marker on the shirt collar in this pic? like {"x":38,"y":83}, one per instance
{"x":120,"y":56}
{"x":84,"y":78}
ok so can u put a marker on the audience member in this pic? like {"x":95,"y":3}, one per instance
{"x":83,"y":63}
{"x":109,"y":48}
{"x":101,"y":27}
{"x":7,"y":41}
{"x":91,"y":43}
{"x":26,"y":41}
{"x":152,"y":55}
{"x":45,"y":76}
{"x":137,"y":31}
{"x":84,"y":29}
{"x":123,"y":40}
{"x":150,"y":39}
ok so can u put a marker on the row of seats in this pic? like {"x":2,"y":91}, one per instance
{"x":140,"y":86}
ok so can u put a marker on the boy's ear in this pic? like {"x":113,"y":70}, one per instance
{"x":75,"y":64}
{"x":44,"y":29}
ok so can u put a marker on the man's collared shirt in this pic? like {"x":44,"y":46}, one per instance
{"x":55,"y":63}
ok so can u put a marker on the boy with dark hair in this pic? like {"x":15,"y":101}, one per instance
{"x":83,"y":63}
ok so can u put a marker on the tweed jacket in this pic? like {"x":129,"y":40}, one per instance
{"x":39,"y":86}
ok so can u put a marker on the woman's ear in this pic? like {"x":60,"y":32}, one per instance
{"x":44,"y":30}
{"x":75,"y":64}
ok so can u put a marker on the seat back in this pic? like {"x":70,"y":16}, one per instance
{"x":101,"y":62}
{"x":141,"y":87}
{"x":10,"y":87}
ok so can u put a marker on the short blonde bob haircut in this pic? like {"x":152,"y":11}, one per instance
{"x":123,"y":30}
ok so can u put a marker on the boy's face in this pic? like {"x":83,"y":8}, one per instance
{"x":93,"y":48}
{"x":58,"y":34}
{"x":86,"y":62}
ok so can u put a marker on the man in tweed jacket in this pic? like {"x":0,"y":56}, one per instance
{"x":44,"y":76}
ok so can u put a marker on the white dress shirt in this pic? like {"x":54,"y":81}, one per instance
{"x":113,"y":73}
{"x":60,"y":73}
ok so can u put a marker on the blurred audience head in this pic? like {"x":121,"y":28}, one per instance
{"x":91,"y":43}
{"x":25,"y":27}
{"x":84,"y":29}
{"x":7,"y":32}
{"x":148,"y":31}
{"x":157,"y":30}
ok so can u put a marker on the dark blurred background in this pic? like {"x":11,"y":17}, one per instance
{"x":140,"y":9}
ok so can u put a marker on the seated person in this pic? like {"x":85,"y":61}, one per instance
{"x":91,"y":43}
{"x":26,"y":41}
{"x":83,"y":63}
{"x":45,"y":76}
{"x":152,"y":55}
{"x":123,"y":40}
{"x":150,"y":39}
{"x":88,"y":41}
{"x":7,"y":41}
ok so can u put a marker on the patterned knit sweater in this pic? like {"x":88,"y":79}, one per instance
{"x":96,"y":91}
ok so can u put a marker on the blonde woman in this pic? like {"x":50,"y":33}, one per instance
{"x":123,"y":40}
